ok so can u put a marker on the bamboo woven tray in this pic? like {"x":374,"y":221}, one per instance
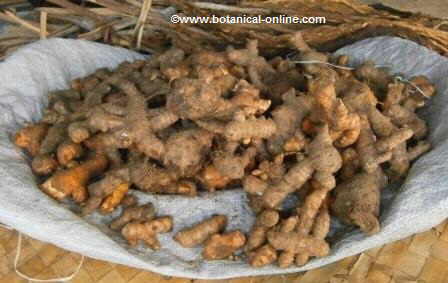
{"x":421,"y":258}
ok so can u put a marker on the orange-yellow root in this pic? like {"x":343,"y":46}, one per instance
{"x":72,"y":182}
{"x":113,"y":200}
{"x":30,"y":137}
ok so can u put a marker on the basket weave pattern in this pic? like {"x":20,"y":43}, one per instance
{"x":421,"y":258}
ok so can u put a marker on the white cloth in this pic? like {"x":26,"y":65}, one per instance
{"x":27,"y":75}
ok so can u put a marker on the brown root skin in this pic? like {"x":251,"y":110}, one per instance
{"x":181,"y":187}
{"x":399,"y":163}
{"x":256,"y":203}
{"x":247,"y":98}
{"x":163,"y":120}
{"x":219,"y":76}
{"x":247,"y":129}
{"x":381,"y":125}
{"x":271,"y":171}
{"x":101,"y":120}
{"x":254,"y":185}
{"x":212,"y":179}
{"x":95,"y":96}
{"x":186,"y":151}
{"x":31,"y":137}
{"x":289,"y":224}
{"x":72,"y":182}
{"x":395,"y":95}
{"x":147,"y":231}
{"x":321,"y":226}
{"x":258,"y":69}
{"x":78,"y":131}
{"x":313,"y":202}
{"x":358,"y":97}
{"x":374,"y":76}
{"x":414,"y":98}
{"x":357,"y":201}
{"x":114,"y":199}
{"x":268,"y":218}
{"x":44,"y":164}
{"x":142,"y":213}
{"x":104,"y":187}
{"x":403,"y":117}
{"x":137,"y":129}
{"x":263,"y":256}
{"x":350,"y":163}
{"x":83,"y":85}
{"x":256,"y":238}
{"x":288,"y":118}
{"x":51,"y":117}
{"x":221,"y":246}
{"x":344,"y":124}
{"x":200,"y":232}
{"x":231,"y":165}
{"x":297,"y":243}
{"x":209,"y":58}
{"x":149,"y":177}
{"x":286,"y":259}
{"x":302,"y":259}
{"x":214,"y":126}
{"x":107,"y":144}
{"x":322,"y":156}
{"x":129,"y":200}
{"x":306,"y":53}
{"x":101,"y":142}
{"x":67,"y":151}
{"x":115,"y":108}
{"x":56,"y":134}
{"x":389,"y":143}
{"x":370,"y":157}
{"x":64,"y":94}
{"x":195,"y":99}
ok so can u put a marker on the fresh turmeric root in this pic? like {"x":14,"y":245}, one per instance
{"x":72,"y":182}
{"x":357,"y":201}
{"x":142,"y":213}
{"x":322,"y":157}
{"x":212,"y":179}
{"x":68,"y":151}
{"x":296,"y":243}
{"x":147,"y":231}
{"x":199,"y":233}
{"x":31,"y":137}
{"x":44,"y":164}
{"x":105,"y":188}
{"x":114,"y":199}
{"x":267,"y":219}
{"x":221,"y":246}
{"x":264,"y":255}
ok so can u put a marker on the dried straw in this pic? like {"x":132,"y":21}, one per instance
{"x":144,"y":24}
